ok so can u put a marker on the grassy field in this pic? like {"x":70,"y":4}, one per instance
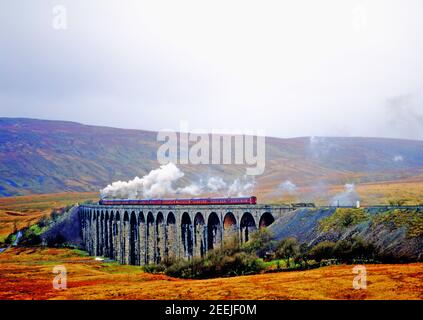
{"x":375,"y":193}
{"x":27,"y":274}
{"x":22,"y":211}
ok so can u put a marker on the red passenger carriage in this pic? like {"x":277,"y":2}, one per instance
{"x":180,"y":202}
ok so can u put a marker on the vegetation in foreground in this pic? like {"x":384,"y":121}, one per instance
{"x":26,"y":273}
{"x":263,"y":254}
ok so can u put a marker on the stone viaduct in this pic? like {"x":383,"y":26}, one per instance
{"x":140,"y":235}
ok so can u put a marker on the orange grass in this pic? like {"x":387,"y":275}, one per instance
{"x":374,"y":193}
{"x":26,"y":210}
{"x":27,"y":274}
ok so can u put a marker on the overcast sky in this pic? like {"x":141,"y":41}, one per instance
{"x":293,"y":68}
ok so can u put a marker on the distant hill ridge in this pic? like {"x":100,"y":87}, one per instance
{"x":45,"y":156}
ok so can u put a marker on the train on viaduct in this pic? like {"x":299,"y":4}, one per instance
{"x":140,"y":234}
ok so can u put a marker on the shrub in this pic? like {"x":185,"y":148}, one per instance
{"x":168,"y":261}
{"x":31,"y":236}
{"x":238,"y":264}
{"x":229,"y":260}
{"x":216,"y":265}
{"x":322,"y":251}
{"x":10,"y":239}
{"x":302,"y":256}
{"x":188,"y":269}
{"x":43,"y":222}
{"x":56,"y":240}
{"x":287,"y":248}
{"x":260,"y":243}
{"x":361,"y":249}
{"x":343,"y":250}
{"x":154,"y":268}
{"x":343,"y":218}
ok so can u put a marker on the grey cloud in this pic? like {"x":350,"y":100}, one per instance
{"x":148,"y":65}
{"x":404,"y":117}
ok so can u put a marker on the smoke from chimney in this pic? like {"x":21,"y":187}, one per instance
{"x":160,"y":183}
{"x":348,"y":197}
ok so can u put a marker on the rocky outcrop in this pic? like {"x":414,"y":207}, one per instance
{"x":66,"y":231}
{"x":400,"y":239}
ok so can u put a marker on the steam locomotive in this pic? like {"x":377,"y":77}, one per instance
{"x":303,"y":205}
{"x":179,"y":202}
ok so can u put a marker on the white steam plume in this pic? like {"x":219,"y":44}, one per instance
{"x":242,"y":187}
{"x":160,"y":182}
{"x":286,"y":187}
{"x":346,"y":198}
{"x":398,"y":158}
{"x":157,"y":183}
{"x":216,"y":184}
{"x":192,"y":189}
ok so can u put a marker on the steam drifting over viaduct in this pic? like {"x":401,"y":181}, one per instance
{"x":141,"y":235}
